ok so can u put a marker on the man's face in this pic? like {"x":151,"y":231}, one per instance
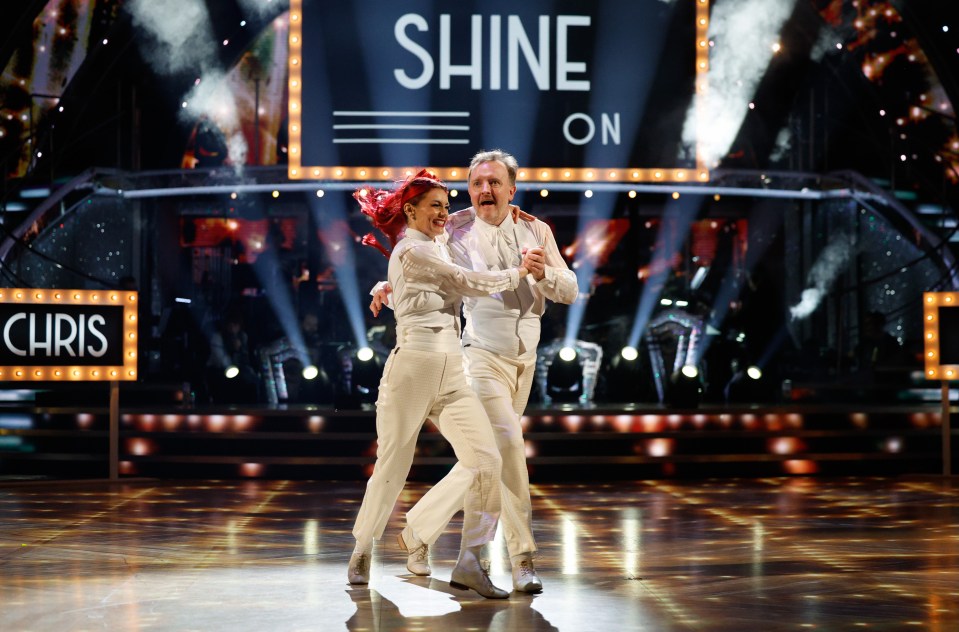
{"x":491,"y":191}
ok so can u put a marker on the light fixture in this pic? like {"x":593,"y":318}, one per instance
{"x":685,"y":389}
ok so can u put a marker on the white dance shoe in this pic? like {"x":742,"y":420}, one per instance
{"x":469,"y":573}
{"x":418,"y":552}
{"x":525,"y":579}
{"x":359,"y":571}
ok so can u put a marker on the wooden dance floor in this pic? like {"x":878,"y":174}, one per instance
{"x":732,"y":554}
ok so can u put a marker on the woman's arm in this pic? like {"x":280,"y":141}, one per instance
{"x":421,"y":262}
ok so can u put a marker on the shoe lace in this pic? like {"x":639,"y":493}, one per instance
{"x":420,"y":553}
{"x":362,"y":565}
{"x":525,"y":568}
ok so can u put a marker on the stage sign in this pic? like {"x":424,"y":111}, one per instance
{"x":68,"y":335}
{"x":941,"y":333}
{"x":577,"y":91}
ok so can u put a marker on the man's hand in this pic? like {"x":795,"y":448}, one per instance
{"x":380,"y":299}
{"x":534,"y":259}
{"x":519,"y":214}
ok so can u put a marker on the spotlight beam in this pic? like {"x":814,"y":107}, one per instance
{"x":678,"y":217}
{"x":278,"y":295}
{"x":331,"y":220}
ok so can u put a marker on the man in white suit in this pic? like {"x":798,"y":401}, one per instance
{"x":500,"y":339}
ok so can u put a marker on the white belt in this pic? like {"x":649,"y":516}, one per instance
{"x":425,"y":339}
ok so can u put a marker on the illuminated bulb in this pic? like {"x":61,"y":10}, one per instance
{"x":231,"y":372}
{"x":543,"y":193}
{"x":754,"y":372}
{"x":365,"y":354}
{"x":675,"y":195}
{"x":588,"y":193}
{"x":631,"y":194}
{"x":629,"y":353}
{"x":567,"y":354}
{"x":310,"y":372}
{"x":690,"y":371}
{"x":276,"y":194}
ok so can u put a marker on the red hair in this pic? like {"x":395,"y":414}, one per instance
{"x":385,"y":208}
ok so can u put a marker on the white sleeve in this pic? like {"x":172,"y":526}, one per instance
{"x":559,"y":285}
{"x":422,"y":263}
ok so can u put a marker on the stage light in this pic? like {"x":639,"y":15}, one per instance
{"x":564,"y":378}
{"x":685,"y":389}
{"x":310,"y":372}
{"x":754,"y":372}
{"x":360,"y":379}
{"x":231,"y":371}
{"x":627,"y":379}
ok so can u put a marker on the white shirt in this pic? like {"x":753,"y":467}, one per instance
{"x":427,"y":289}
{"x":508,"y":322}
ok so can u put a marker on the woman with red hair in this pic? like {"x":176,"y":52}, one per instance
{"x":423,"y":378}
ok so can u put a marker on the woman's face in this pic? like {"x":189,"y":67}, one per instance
{"x":429,"y":214}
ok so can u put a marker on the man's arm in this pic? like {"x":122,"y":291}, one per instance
{"x":558,"y":283}
{"x":381,"y":297}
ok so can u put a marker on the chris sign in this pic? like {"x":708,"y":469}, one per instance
{"x":576,"y":90}
{"x":67,"y":335}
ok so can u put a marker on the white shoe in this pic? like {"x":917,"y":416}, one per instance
{"x":359,"y":571}
{"x":469,"y":573}
{"x":525,"y":579}
{"x":418,"y":552}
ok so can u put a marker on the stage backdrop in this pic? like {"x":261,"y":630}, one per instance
{"x":578,"y":91}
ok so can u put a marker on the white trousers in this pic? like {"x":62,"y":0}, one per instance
{"x":503,"y":385}
{"x":417,"y":385}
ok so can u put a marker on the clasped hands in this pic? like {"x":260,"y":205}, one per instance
{"x":534,"y":260}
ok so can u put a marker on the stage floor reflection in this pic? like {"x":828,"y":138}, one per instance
{"x":740,"y":554}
